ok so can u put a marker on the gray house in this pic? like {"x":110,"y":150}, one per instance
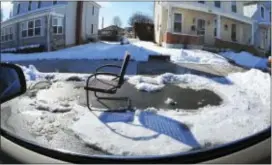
{"x":49,"y":25}
{"x":260,"y":12}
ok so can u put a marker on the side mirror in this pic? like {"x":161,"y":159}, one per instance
{"x":12,"y":82}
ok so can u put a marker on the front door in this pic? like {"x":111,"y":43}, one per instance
{"x":263,"y":38}
{"x":200,"y":26}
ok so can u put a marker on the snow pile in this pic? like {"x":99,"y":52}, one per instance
{"x":186,"y":56}
{"x":31,"y":73}
{"x":145,"y":84}
{"x":93,"y":51}
{"x":29,"y":46}
{"x":246,"y":59}
{"x":8,"y":50}
{"x":170,"y":101}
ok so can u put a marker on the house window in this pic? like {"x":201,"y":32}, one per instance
{"x":54,"y":2}
{"x":18,"y":8}
{"x":31,"y":28}
{"x":215,"y":28}
{"x":270,"y":16}
{"x":29,"y":5}
{"x":37,"y":27}
{"x":57,"y":25}
{"x":177,"y":22}
{"x":93,"y":10}
{"x":217,"y":4}
{"x":262,"y":12}
{"x":39,"y":4}
{"x":6,"y":34}
{"x":92,"y":29}
{"x":201,"y":2}
{"x":233,"y":32}
{"x":233,"y":6}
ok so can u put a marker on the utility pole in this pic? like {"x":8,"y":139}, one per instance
{"x":102,"y":24}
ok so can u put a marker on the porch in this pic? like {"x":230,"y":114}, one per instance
{"x":188,"y":27}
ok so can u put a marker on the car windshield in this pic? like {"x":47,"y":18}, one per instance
{"x":136,"y":78}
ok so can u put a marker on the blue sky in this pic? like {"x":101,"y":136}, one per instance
{"x":108,"y":10}
{"x":124,"y":10}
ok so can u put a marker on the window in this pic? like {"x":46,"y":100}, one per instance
{"x":57,"y":25}
{"x":29,"y":5}
{"x":37,"y":27}
{"x":6,"y":34}
{"x":54,"y":2}
{"x":262,"y":12}
{"x":39,"y":4}
{"x":93,"y":10}
{"x":217,"y":4}
{"x":31,"y":28}
{"x":92,"y":29}
{"x":215,"y":28}
{"x":18,"y":8}
{"x":233,"y":32}
{"x":177,"y":22}
{"x":201,"y":2}
{"x":270,"y":16}
{"x":233,"y":6}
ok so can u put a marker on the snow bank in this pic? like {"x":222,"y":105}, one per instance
{"x":246,"y":59}
{"x":94,"y":51}
{"x":186,"y":56}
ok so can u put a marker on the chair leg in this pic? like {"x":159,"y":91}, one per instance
{"x":115,"y":98}
{"x":88,"y":101}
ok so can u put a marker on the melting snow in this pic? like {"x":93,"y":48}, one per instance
{"x":245,"y":110}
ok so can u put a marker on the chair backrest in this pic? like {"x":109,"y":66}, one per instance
{"x":123,"y":69}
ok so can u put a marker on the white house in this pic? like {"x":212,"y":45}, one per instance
{"x":50,"y":24}
{"x":260,"y":12}
{"x":202,"y":23}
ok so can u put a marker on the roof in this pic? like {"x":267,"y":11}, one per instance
{"x":113,"y":27}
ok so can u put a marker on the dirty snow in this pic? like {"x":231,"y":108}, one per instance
{"x":245,"y":110}
{"x":246,"y":59}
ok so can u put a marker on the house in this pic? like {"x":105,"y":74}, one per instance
{"x":111,"y":33}
{"x":50,"y":24}
{"x":196,"y":24}
{"x":260,"y":12}
{"x":129,"y":32}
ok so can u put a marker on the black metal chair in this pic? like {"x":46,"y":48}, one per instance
{"x":110,"y":88}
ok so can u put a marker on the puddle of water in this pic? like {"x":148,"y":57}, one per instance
{"x":185,"y":98}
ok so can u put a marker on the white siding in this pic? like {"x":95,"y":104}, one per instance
{"x":70,"y":22}
{"x":88,"y":19}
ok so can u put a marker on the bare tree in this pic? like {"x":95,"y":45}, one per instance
{"x":139,"y":18}
{"x":117,"y":21}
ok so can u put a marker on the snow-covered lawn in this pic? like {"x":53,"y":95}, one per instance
{"x":139,"y":50}
{"x":91,"y":51}
{"x":245,"y":110}
{"x":246,"y":59}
